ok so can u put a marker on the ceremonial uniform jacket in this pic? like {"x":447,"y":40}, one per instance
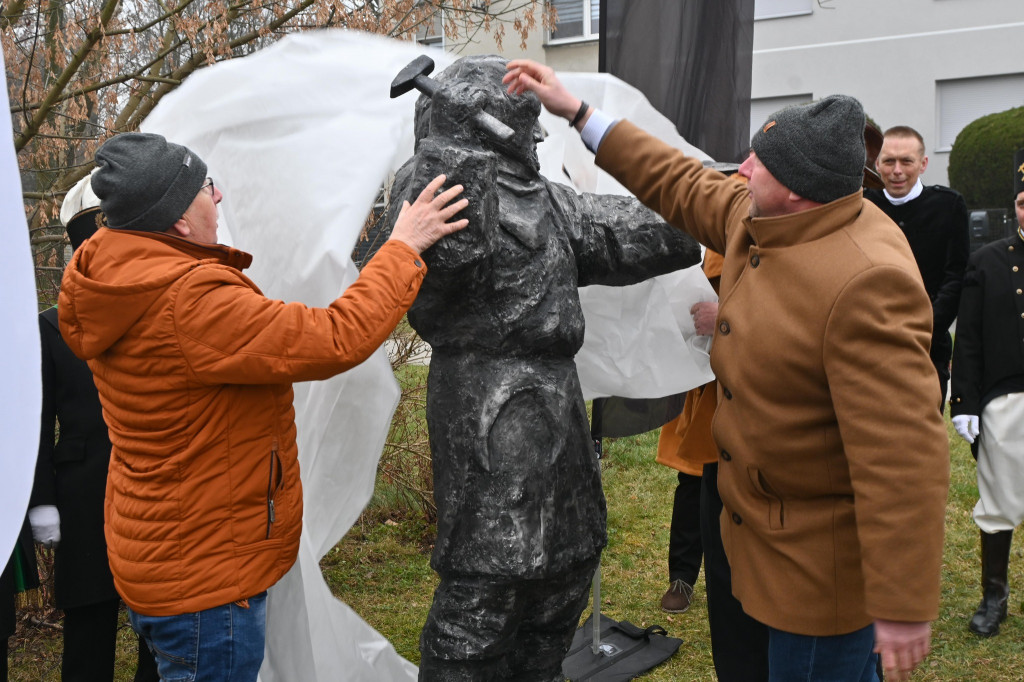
{"x":988,"y":358}
{"x":935,"y":225}
{"x":833,"y":463}
{"x":194,"y":369}
{"x":71,"y":473}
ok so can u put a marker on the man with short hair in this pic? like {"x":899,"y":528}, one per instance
{"x":194,"y":368}
{"x":988,"y":401}
{"x":833,"y":462}
{"x":934,"y":220}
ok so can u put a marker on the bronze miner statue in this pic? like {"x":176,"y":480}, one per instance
{"x":521,"y":512}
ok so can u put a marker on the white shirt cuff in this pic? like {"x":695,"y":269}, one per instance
{"x":597,"y":127}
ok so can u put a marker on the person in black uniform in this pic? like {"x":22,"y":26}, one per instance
{"x":988,"y":402}
{"x":934,"y":220}
{"x":19,"y":574}
{"x":66,"y":506}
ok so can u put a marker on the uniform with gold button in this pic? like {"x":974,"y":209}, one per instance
{"x":988,"y":401}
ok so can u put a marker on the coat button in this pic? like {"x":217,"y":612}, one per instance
{"x":1015,"y":268}
{"x":1019,"y":292}
{"x":726,"y":456}
{"x":755,"y":260}
{"x":1011,"y":247}
{"x":727,"y":393}
{"x":723,"y":327}
{"x":418,"y":263}
{"x":736,"y":518}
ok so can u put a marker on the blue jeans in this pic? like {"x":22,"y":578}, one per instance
{"x":222,"y":644}
{"x":840,"y":658}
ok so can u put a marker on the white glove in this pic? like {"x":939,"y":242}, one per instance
{"x":45,"y":522}
{"x":967,"y":426}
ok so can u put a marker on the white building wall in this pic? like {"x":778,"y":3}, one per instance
{"x":890,"y":54}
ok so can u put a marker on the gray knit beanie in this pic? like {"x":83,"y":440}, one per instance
{"x":145,"y":182}
{"x":816,"y":149}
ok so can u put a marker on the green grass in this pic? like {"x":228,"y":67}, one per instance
{"x":382,"y":570}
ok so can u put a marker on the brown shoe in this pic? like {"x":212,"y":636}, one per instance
{"x":677,"y":599}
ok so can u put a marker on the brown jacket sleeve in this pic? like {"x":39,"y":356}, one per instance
{"x":698,"y":200}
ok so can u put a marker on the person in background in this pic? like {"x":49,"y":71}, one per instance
{"x":686,"y":445}
{"x":20,"y":574}
{"x":66,"y":506}
{"x":194,"y":368}
{"x":934,"y":220}
{"x":988,"y":402}
{"x":833,"y":461}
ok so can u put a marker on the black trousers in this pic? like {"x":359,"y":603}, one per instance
{"x":90,"y":638}
{"x":941,"y":352}
{"x":739,"y":644}
{"x":684,"y":546}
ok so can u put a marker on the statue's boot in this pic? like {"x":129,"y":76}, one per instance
{"x":995,"y":558}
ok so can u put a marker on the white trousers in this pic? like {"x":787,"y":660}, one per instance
{"x":1001,"y":465}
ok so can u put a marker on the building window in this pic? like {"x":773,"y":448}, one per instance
{"x":964,"y":100}
{"x":774,"y":9}
{"x":762,"y":108}
{"x":577,"y":19}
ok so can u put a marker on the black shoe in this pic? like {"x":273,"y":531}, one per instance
{"x":677,"y":599}
{"x":995,"y":559}
{"x":991,"y":612}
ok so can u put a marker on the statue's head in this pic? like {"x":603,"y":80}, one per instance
{"x":472,"y":84}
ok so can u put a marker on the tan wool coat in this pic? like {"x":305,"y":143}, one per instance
{"x":833,"y":461}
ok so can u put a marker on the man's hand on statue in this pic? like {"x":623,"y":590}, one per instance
{"x":967,"y":426}
{"x":424,"y":221}
{"x":526,"y":74}
{"x":901,"y":646}
{"x":704,"y":314}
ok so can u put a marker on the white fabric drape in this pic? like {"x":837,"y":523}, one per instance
{"x":20,"y":368}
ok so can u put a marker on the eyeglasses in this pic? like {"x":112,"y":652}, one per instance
{"x":209,"y":183}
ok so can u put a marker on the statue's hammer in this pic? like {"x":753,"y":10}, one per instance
{"x":414,"y":75}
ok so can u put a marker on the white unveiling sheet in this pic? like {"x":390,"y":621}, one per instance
{"x":299,"y":137}
{"x":20,"y":368}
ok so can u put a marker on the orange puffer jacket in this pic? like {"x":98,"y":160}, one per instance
{"x":194,"y":369}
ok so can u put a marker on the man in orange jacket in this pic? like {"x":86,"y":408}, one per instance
{"x":194,"y":367}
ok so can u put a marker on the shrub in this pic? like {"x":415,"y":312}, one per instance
{"x":981,"y":161}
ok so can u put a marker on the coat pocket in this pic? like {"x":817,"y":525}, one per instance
{"x":776,"y":508}
{"x":274,"y":484}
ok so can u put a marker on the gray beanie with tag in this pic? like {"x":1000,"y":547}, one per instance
{"x":145,"y":182}
{"x":817,"y":149}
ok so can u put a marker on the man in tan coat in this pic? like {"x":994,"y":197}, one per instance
{"x":833,"y":462}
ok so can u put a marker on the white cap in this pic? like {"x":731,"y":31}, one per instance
{"x":79,"y":198}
